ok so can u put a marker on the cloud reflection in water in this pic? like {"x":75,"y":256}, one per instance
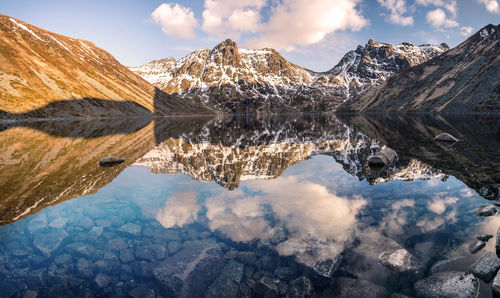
{"x":314,"y":224}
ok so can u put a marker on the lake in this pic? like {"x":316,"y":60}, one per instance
{"x":243,"y":206}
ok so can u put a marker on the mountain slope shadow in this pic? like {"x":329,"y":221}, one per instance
{"x":167,"y":105}
{"x":261,"y":98}
{"x":84,"y":108}
{"x":86,"y":129}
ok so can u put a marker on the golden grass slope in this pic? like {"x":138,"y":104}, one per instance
{"x":38,"y":67}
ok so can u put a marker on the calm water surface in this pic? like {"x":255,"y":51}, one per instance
{"x":240,"y":207}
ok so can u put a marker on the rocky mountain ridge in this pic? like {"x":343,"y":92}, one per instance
{"x":464,"y":79}
{"x":229,"y":79}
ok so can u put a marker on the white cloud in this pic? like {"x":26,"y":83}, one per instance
{"x":450,"y":6}
{"x":397,"y":9}
{"x":180,"y":209}
{"x":227,"y":18}
{"x":437,"y":18}
{"x":491,"y":5}
{"x":438,"y":205}
{"x":176,"y":20}
{"x":290,"y":23}
{"x":466,"y":192}
{"x":466,"y":31}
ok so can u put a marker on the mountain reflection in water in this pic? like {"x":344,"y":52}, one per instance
{"x":204,"y":206}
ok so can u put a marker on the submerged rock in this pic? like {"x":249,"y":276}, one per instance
{"x":117,"y":244}
{"x":399,"y":295}
{"x":102,"y":280}
{"x":497,"y":244}
{"x":131,"y":229}
{"x":354,"y":288}
{"x":476,"y":246}
{"x":322,"y":272}
{"x":85,"y":268}
{"x":58,"y":223}
{"x":141,"y":291}
{"x":448,"y":284}
{"x":486,"y":267}
{"x":39,"y":223}
{"x":399,"y":260}
{"x":495,"y":286}
{"x":299,"y":288}
{"x":285,"y":273}
{"x":7,"y":289}
{"x":49,"y":242}
{"x":484,"y":211}
{"x":228,"y":282}
{"x":173,"y":247}
{"x":382,"y":158}
{"x":327,"y":268}
{"x":81,"y":248}
{"x":190,"y":271}
{"x":110,"y":161}
{"x":127,"y":255}
{"x":247,"y":257}
{"x":445,"y":137}
{"x":484,"y":237}
{"x":266,"y":287}
{"x":96,"y":232}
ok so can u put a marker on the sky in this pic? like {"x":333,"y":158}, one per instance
{"x":311,"y":33}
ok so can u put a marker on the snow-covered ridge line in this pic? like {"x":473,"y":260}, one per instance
{"x":247,"y":69}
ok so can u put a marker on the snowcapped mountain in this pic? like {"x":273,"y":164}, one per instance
{"x":44,"y":74}
{"x":462,"y":80}
{"x":230,"y":79}
{"x":375,"y":62}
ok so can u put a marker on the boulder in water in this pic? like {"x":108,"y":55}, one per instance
{"x":266,"y":287}
{"x":110,"y":161}
{"x":497,"y":244}
{"x":495,"y":286}
{"x":300,"y":287}
{"x":189,"y":272}
{"x":448,"y":284}
{"x":484,"y":237}
{"x":476,"y":246}
{"x":382,"y":158}
{"x":486,"y":267}
{"x":445,"y":137}
{"x":399,"y":260}
{"x":350,"y":287}
{"x":488,"y":210}
{"x":228,"y":282}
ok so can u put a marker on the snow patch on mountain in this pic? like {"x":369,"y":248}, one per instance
{"x":25,"y":28}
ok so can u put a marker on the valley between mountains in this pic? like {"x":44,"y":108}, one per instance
{"x":47,"y":75}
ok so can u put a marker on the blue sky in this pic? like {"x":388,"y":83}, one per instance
{"x":312,"y":33}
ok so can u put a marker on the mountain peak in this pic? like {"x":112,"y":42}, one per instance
{"x":490,"y":30}
{"x":463,"y":80}
{"x":226,"y":43}
{"x":376,"y":44}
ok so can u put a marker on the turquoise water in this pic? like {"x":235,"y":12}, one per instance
{"x":220,"y":208}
